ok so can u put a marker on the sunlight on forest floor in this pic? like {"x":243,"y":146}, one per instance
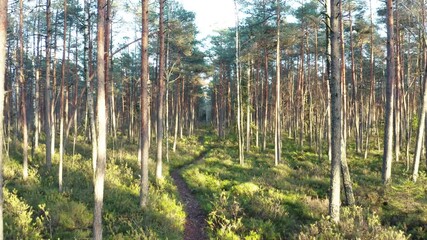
{"x":256,"y":200}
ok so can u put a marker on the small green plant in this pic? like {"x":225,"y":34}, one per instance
{"x":226,"y":217}
{"x":18,"y":218}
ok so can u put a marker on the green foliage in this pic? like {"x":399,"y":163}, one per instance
{"x":34,"y":209}
{"x":226,"y":217}
{"x":18,"y":218}
{"x":355,"y":223}
{"x":289,"y":200}
{"x":252,"y":201}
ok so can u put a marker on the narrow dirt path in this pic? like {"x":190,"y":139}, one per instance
{"x":195,"y":222}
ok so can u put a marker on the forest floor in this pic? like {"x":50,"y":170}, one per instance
{"x":206,"y":193}
{"x":258,"y":200}
{"x":195,"y":221}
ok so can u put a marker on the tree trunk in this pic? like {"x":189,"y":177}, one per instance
{"x":266,"y":101}
{"x":22,"y":82}
{"x":371,"y":103}
{"x":61,"y":111}
{"x":177,"y":111}
{"x":144,"y":107}
{"x":76,"y":93}
{"x":388,"y":126}
{"x":102,"y":126}
{"x":89,"y":86}
{"x":160,"y":100}
{"x":336,"y":117}
{"x":421,"y":126}
{"x":47,"y":94}
{"x":37,"y":90}
{"x":354,"y":88}
{"x":239,"y":107}
{"x":3,"y":36}
{"x":248,"y":109}
{"x":277,"y":122}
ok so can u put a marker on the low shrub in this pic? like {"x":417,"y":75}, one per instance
{"x":355,"y":223}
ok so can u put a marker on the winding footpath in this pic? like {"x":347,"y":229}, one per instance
{"x":195,"y":222}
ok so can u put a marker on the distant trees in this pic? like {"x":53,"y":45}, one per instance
{"x":269,"y":79}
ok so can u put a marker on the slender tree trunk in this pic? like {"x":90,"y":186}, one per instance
{"x":388,"y":126}
{"x":421,"y":125}
{"x":257,"y":104}
{"x":61,"y":111}
{"x":160,"y":100}
{"x":397,"y":99}
{"x":89,"y":86}
{"x":37,"y":90}
{"x":239,"y":107}
{"x":3,"y":36}
{"x":144,"y":107}
{"x":277,"y":122}
{"x":371,"y":104}
{"x":54,"y":97}
{"x":354,"y":89}
{"x":336,"y":117}
{"x":102,"y":126}
{"x":76,"y":94}
{"x":48,"y":90}
{"x":177,"y":110}
{"x":106,"y":36}
{"x":328,"y":79}
{"x":23,"y":92}
{"x":248,"y":109}
{"x":266,"y":101}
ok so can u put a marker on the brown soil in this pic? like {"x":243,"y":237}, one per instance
{"x":195,"y":222}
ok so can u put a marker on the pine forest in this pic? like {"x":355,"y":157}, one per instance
{"x":128,"y":119}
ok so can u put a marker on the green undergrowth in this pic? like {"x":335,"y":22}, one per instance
{"x":258,"y":200}
{"x":34,"y":209}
